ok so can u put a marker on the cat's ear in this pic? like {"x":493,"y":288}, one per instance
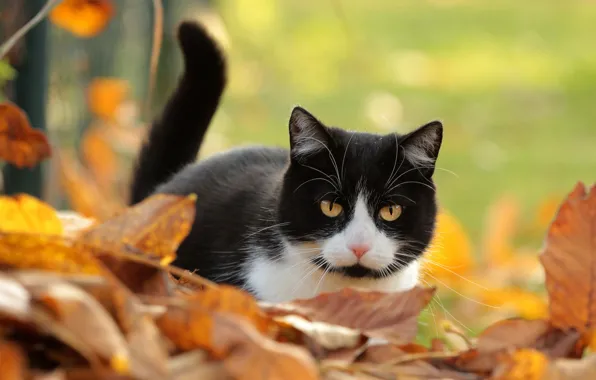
{"x":422,"y":146}
{"x":307,"y":134}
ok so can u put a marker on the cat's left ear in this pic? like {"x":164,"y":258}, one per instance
{"x":422,"y":146}
{"x":307,"y":135}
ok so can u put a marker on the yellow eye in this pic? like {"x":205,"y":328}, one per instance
{"x":390,"y":213}
{"x":331,"y":209}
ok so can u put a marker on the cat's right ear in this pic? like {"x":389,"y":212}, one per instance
{"x":307,"y":135}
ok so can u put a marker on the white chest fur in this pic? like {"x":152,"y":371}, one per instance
{"x":281,"y":281}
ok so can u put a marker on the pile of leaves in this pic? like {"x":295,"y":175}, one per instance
{"x":86,"y":300}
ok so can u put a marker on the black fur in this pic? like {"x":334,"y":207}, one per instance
{"x":249,"y":198}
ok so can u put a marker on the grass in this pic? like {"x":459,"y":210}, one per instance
{"x":513,"y":82}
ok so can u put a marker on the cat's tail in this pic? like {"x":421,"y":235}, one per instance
{"x":176,"y":135}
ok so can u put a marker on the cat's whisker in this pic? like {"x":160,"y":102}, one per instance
{"x":343,"y":160}
{"x":337,"y":181}
{"x":317,"y":179}
{"x":321,"y":280}
{"x":333,"y":162}
{"x":412,"y":182}
{"x":462,"y":295}
{"x":265,"y":229}
{"x":394,"y":162}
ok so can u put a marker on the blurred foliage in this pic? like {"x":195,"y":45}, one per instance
{"x":7,"y":73}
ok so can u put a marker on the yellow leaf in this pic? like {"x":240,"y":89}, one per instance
{"x":83,"y":18}
{"x":24,"y":213}
{"x":450,"y":254}
{"x":45,"y":252}
{"x":526,"y":364}
{"x":105,"y":95}
{"x":99,"y":156}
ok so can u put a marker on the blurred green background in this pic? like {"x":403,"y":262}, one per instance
{"x":513,"y":82}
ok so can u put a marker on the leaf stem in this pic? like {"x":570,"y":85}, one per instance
{"x":6,"y":46}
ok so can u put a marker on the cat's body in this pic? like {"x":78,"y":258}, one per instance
{"x":338,"y":209}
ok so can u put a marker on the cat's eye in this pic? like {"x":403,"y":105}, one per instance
{"x":331,"y":209}
{"x":390,"y":213}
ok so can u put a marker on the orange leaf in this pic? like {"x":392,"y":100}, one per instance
{"x":157,"y":226}
{"x":20,"y":144}
{"x":83,"y":18}
{"x":249,"y":355}
{"x":450,"y":254}
{"x":569,"y":262}
{"x":525,"y":364}
{"x":24,"y":213}
{"x":105,"y":95}
{"x":391,"y":316}
{"x":12,"y":362}
{"x":190,"y":326}
{"x":45,"y":252}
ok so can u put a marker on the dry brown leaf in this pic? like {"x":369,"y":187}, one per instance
{"x":46,"y":252}
{"x":156,"y":226}
{"x":13,"y":363}
{"x":249,"y":355}
{"x":83,"y":18}
{"x":87,"y":320}
{"x":190,"y":325}
{"x":512,"y":333}
{"x":20,"y":144}
{"x":569,"y":262}
{"x":194,"y":365}
{"x":391,"y":316}
{"x":24,"y":213}
{"x":565,"y":369}
{"x":327,"y":336}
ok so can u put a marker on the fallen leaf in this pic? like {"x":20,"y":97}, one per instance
{"x":190,"y":324}
{"x":87,"y":321}
{"x":391,"y":316}
{"x":513,"y":333}
{"x":13,"y":364}
{"x":157,"y":226}
{"x":569,"y":262}
{"x":24,"y":213}
{"x":83,"y":18}
{"x":523,"y":364}
{"x":20,"y":144}
{"x":105,"y":95}
{"x":329,"y":337}
{"x":565,"y":369}
{"x":46,"y":252}
{"x":249,"y":355}
{"x":194,"y":365}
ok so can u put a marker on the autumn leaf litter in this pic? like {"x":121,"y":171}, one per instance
{"x":99,"y":300}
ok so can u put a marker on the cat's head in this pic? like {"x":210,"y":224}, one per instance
{"x":359,"y":204}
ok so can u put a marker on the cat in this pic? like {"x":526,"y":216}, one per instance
{"x":337,"y":209}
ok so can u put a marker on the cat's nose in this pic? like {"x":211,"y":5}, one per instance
{"x":359,"y":250}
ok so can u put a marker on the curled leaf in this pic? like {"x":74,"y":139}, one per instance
{"x":20,"y":144}
{"x":570,"y":263}
{"x":391,"y":316}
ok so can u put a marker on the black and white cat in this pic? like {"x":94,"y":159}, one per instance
{"x":337,"y":209}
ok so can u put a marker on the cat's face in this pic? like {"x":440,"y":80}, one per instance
{"x":358,"y":204}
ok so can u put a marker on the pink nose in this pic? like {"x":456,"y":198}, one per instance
{"x":359,"y":250}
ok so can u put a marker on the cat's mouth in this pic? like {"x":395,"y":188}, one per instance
{"x":353,"y":271}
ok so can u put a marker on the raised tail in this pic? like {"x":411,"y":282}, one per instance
{"x":176,"y":135}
